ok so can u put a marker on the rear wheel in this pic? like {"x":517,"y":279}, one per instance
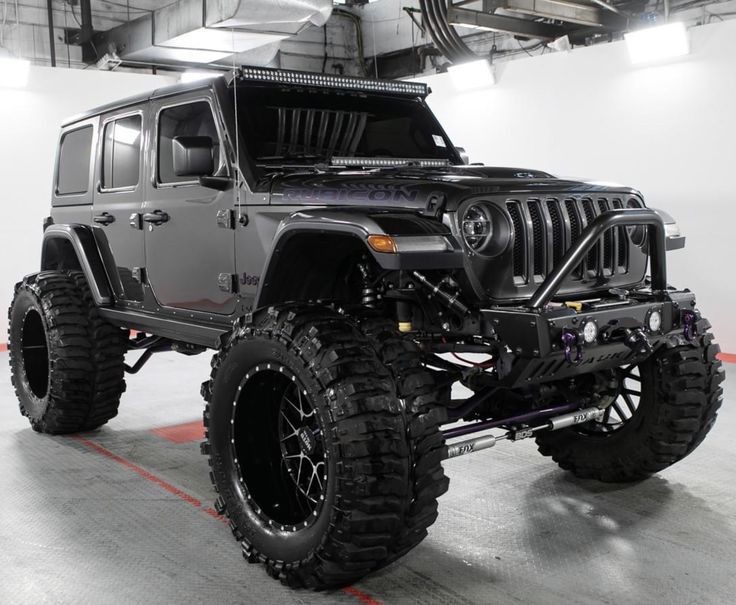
{"x":307,"y":445}
{"x":663,"y":410}
{"x":66,"y":362}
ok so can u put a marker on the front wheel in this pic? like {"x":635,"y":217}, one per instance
{"x":307,"y":444}
{"x":664,"y":408}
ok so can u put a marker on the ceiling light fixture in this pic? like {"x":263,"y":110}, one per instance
{"x":14,"y":72}
{"x":658,"y":43}
{"x":472,"y":75}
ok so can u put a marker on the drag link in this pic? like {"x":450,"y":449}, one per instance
{"x":553,"y":424}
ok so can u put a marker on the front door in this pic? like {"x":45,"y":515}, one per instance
{"x":190,"y":254}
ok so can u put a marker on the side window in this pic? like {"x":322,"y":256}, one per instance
{"x":121,"y":153}
{"x":193,"y":119}
{"x":74,"y":161}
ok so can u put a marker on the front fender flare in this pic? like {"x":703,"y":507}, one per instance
{"x":359,"y":225}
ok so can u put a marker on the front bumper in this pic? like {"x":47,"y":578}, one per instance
{"x":538,"y":348}
{"x":539,"y":335}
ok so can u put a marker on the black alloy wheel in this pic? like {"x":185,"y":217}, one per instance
{"x":279,"y":447}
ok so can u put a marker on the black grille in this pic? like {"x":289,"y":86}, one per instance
{"x":544,"y":229}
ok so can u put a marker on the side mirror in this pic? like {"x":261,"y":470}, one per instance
{"x":193,"y":156}
{"x":463,"y":154}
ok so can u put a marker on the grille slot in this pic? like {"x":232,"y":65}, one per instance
{"x":545,"y":229}
{"x":517,"y":223}
{"x":591,"y":261}
{"x":538,"y":238}
{"x":558,"y":230}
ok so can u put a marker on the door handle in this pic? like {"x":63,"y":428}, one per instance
{"x":104,"y":219}
{"x":156,"y":217}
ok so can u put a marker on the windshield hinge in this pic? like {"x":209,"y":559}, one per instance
{"x":226,"y":219}
{"x":435,"y":205}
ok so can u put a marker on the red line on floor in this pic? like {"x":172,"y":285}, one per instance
{"x":181,"y":433}
{"x":361,"y":596}
{"x":3,"y":346}
{"x":727,"y":357}
{"x":141,"y":471}
{"x":364,"y":598}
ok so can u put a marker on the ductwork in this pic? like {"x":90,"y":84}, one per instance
{"x":210,"y":31}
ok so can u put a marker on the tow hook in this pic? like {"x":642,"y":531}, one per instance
{"x":570,"y":339}
{"x":689,"y":327}
{"x":638,"y":342}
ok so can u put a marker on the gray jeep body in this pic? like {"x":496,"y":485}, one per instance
{"x":183,"y":260}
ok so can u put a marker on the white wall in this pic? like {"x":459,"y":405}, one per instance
{"x":29,"y":127}
{"x":668,"y":130}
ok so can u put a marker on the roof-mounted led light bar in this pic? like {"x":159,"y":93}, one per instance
{"x":303,"y":78}
{"x":387,"y":162}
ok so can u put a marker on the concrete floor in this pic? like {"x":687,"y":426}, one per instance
{"x":123,"y":516}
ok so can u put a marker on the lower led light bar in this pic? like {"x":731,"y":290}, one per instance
{"x":387,"y":162}
{"x":303,"y":78}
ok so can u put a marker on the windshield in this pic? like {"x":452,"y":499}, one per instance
{"x":301,"y":127}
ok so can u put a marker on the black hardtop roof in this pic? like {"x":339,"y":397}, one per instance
{"x":138,"y":99}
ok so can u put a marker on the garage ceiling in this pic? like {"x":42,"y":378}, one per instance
{"x":393,"y":37}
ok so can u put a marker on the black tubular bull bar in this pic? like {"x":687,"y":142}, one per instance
{"x":608,"y":220}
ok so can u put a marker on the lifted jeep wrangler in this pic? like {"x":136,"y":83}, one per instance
{"x":324,"y":237}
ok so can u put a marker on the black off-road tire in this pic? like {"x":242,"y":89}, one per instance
{"x":362,"y":432}
{"x":67,"y":363}
{"x":681,"y":394}
{"x":417,"y":389}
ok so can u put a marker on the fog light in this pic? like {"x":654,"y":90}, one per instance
{"x":655,"y":321}
{"x":590,"y":331}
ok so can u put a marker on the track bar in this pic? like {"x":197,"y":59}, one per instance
{"x":553,"y":424}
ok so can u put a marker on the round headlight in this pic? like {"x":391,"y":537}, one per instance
{"x":477,"y":227}
{"x":655,"y":321}
{"x":590,"y":331}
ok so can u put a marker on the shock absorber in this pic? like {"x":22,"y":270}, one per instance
{"x":368,"y":294}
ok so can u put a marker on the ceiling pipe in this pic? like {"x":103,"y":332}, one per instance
{"x":52,"y":42}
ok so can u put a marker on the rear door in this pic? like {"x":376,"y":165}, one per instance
{"x":190,"y":249}
{"x":118,"y":197}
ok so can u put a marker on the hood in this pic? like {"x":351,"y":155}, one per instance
{"x":412,"y":187}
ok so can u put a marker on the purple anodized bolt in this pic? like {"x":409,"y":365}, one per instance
{"x":689,"y":328}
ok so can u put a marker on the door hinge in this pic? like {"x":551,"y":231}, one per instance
{"x":227,"y":282}
{"x":139,"y":274}
{"x":226,"y":219}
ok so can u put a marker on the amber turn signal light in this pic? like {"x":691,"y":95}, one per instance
{"x":383,"y":243}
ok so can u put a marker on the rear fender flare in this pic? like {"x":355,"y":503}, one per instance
{"x":78,"y":240}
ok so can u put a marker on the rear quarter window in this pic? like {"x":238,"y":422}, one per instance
{"x":74,"y":161}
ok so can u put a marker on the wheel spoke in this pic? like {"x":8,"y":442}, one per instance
{"x":291,"y":426}
{"x":293,"y":405}
{"x":629,"y":403}
{"x":619,"y":411}
{"x":304,"y":414}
